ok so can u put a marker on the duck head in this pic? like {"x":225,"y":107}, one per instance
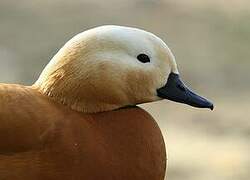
{"x":110,"y":67}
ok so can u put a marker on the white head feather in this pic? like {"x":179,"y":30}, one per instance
{"x":98,"y":70}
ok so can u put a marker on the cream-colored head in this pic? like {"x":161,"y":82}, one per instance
{"x":98,"y":70}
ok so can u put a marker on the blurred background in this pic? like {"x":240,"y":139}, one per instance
{"x":211,"y":41}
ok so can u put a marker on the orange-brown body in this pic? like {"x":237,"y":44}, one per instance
{"x":43,"y":140}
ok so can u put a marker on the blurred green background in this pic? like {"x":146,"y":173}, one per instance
{"x":211,"y":41}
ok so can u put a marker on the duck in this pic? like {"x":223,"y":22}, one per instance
{"x":80,"y":119}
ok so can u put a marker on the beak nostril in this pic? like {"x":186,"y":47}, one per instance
{"x":181,"y":87}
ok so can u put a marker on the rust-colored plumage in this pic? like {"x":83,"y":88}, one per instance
{"x":41,"y":139}
{"x":69,"y":125}
{"x":72,"y":124}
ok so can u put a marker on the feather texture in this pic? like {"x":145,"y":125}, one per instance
{"x":44,"y":140}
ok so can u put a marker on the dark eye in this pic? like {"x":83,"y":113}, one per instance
{"x":143,"y":58}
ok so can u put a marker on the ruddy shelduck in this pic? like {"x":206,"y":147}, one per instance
{"x":79,"y":121}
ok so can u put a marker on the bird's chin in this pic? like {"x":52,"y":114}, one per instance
{"x":157,"y":98}
{"x":153,"y":98}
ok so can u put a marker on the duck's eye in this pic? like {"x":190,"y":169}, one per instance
{"x":143,"y":58}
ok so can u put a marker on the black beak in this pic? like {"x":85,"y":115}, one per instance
{"x":175,"y":90}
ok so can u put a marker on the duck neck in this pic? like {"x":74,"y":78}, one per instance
{"x":73,"y":98}
{"x":72,"y":89}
